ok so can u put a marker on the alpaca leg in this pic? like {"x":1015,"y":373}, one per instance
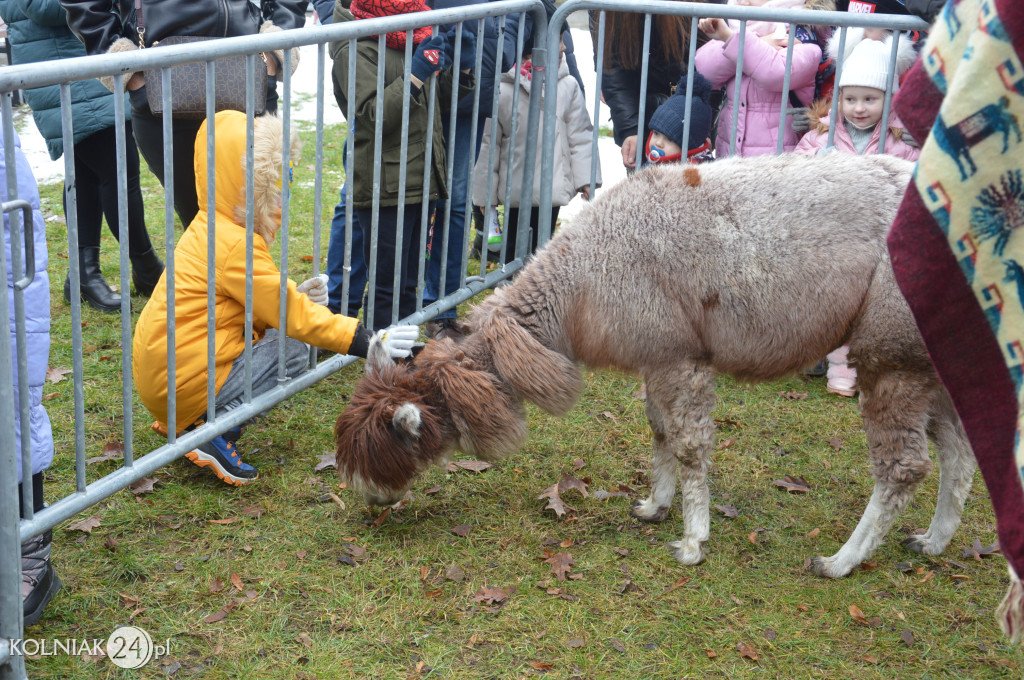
{"x":679,"y":406}
{"x":663,"y":471}
{"x":956,"y":473}
{"x":894,"y":407}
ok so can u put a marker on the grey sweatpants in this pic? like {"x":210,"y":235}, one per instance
{"x":264,"y":370}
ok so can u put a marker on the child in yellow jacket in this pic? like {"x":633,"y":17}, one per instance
{"x":307,"y":321}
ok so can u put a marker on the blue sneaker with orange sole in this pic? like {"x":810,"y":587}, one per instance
{"x":222,"y":457}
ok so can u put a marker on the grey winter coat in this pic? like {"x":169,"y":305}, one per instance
{"x":38,"y":31}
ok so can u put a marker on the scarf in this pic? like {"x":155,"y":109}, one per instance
{"x":369,"y":9}
{"x":957,"y":250}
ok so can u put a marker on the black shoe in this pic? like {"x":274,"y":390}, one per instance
{"x":446,"y":328}
{"x":146,"y":271}
{"x":93,"y":286}
{"x":39,"y":582}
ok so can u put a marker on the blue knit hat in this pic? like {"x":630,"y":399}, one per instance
{"x":668,"y":119}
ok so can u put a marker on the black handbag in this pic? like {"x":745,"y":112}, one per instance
{"x":188,"y":81}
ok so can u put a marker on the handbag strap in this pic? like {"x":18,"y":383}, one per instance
{"x":139,"y":26}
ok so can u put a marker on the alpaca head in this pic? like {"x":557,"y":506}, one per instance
{"x":404,"y":418}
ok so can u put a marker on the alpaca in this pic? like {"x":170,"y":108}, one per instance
{"x":754,"y":267}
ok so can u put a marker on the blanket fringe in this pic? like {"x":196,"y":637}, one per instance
{"x":1011,"y":612}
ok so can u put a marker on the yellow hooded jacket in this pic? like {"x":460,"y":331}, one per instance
{"x":305,"y":320}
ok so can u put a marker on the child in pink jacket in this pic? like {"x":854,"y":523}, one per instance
{"x":861,"y":93}
{"x":764,"y":70}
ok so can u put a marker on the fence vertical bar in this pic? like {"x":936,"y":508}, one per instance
{"x":11,"y":611}
{"x":172,"y":378}
{"x":457,"y":76}
{"x":74,"y":277}
{"x":378,"y":133}
{"x":286,"y":192}
{"x":641,"y":119}
{"x":690,"y":70}
{"x":318,"y":173}
{"x":835,"y":90}
{"x":449,"y":174}
{"x":428,"y":164}
{"x":890,"y":79}
{"x":493,"y":153}
{"x":403,"y":161}
{"x":121,"y":144}
{"x":784,"y":113}
{"x":350,"y":156}
{"x":738,"y":88}
{"x":211,"y":244}
{"x":598,"y":73}
{"x":516,"y":79}
{"x":250,"y":209}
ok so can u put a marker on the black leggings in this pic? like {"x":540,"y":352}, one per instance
{"x":37,"y":495}
{"x":511,"y":230}
{"x":96,"y":190}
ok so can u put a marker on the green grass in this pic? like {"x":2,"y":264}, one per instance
{"x":156,"y":559}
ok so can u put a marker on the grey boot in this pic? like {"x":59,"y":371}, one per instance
{"x":39,"y":582}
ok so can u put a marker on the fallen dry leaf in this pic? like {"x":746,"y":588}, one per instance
{"x":574,"y":643}
{"x":554,"y":500}
{"x":908,"y":637}
{"x":813,"y":532}
{"x":144,"y":485}
{"x":678,"y":583}
{"x":835,"y":443}
{"x":858,"y":615}
{"x":112,"y":450}
{"x":617,"y":645}
{"x":460,"y":530}
{"x":489,"y":595}
{"x":561,"y":563}
{"x":328,"y":460}
{"x":746,"y":651}
{"x":253,"y":511}
{"x":55,"y":375}
{"x":568,"y":483}
{"x":85,"y":525}
{"x":726,"y":444}
{"x":711,"y":653}
{"x":229,"y":520}
{"x":455,"y":573}
{"x":728,"y":510}
{"x":793,"y":395}
{"x":541,"y":665}
{"x":236,"y":581}
{"x":977,"y":551}
{"x":216,"y":585}
{"x":578,"y":463}
{"x":381,"y":517}
{"x":793,"y":484}
{"x":221,"y":613}
{"x":472,"y":465}
{"x":305,"y":640}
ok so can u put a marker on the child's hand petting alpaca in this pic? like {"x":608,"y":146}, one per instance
{"x":315,"y":289}
{"x":584,"y":192}
{"x":398,"y":340}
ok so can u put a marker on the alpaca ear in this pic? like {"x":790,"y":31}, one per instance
{"x":378,"y":359}
{"x":407,"y":419}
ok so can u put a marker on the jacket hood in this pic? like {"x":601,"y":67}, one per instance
{"x":509,"y":76}
{"x":229,"y":164}
{"x":905,"y":53}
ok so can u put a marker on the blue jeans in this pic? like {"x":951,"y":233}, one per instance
{"x":462,"y":183}
{"x":336,"y":260}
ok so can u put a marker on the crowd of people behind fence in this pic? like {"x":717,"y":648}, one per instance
{"x":317,"y":314}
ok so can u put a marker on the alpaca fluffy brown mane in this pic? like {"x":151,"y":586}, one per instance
{"x":368,"y":447}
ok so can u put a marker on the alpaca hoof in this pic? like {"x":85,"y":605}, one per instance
{"x":646,"y":511}
{"x":688,"y":551}
{"x":825,"y":567}
{"x":922,"y":545}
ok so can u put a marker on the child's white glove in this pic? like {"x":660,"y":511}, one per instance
{"x":315,"y":289}
{"x":398,"y":340}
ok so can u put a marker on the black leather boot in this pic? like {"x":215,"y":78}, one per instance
{"x":39,"y":582}
{"x":94,"y":288}
{"x":146,"y":271}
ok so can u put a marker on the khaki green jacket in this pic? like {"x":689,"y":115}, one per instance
{"x":361,"y":171}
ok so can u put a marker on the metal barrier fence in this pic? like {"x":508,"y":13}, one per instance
{"x":541,"y":112}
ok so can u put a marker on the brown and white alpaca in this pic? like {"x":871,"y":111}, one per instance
{"x":753,"y":267}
